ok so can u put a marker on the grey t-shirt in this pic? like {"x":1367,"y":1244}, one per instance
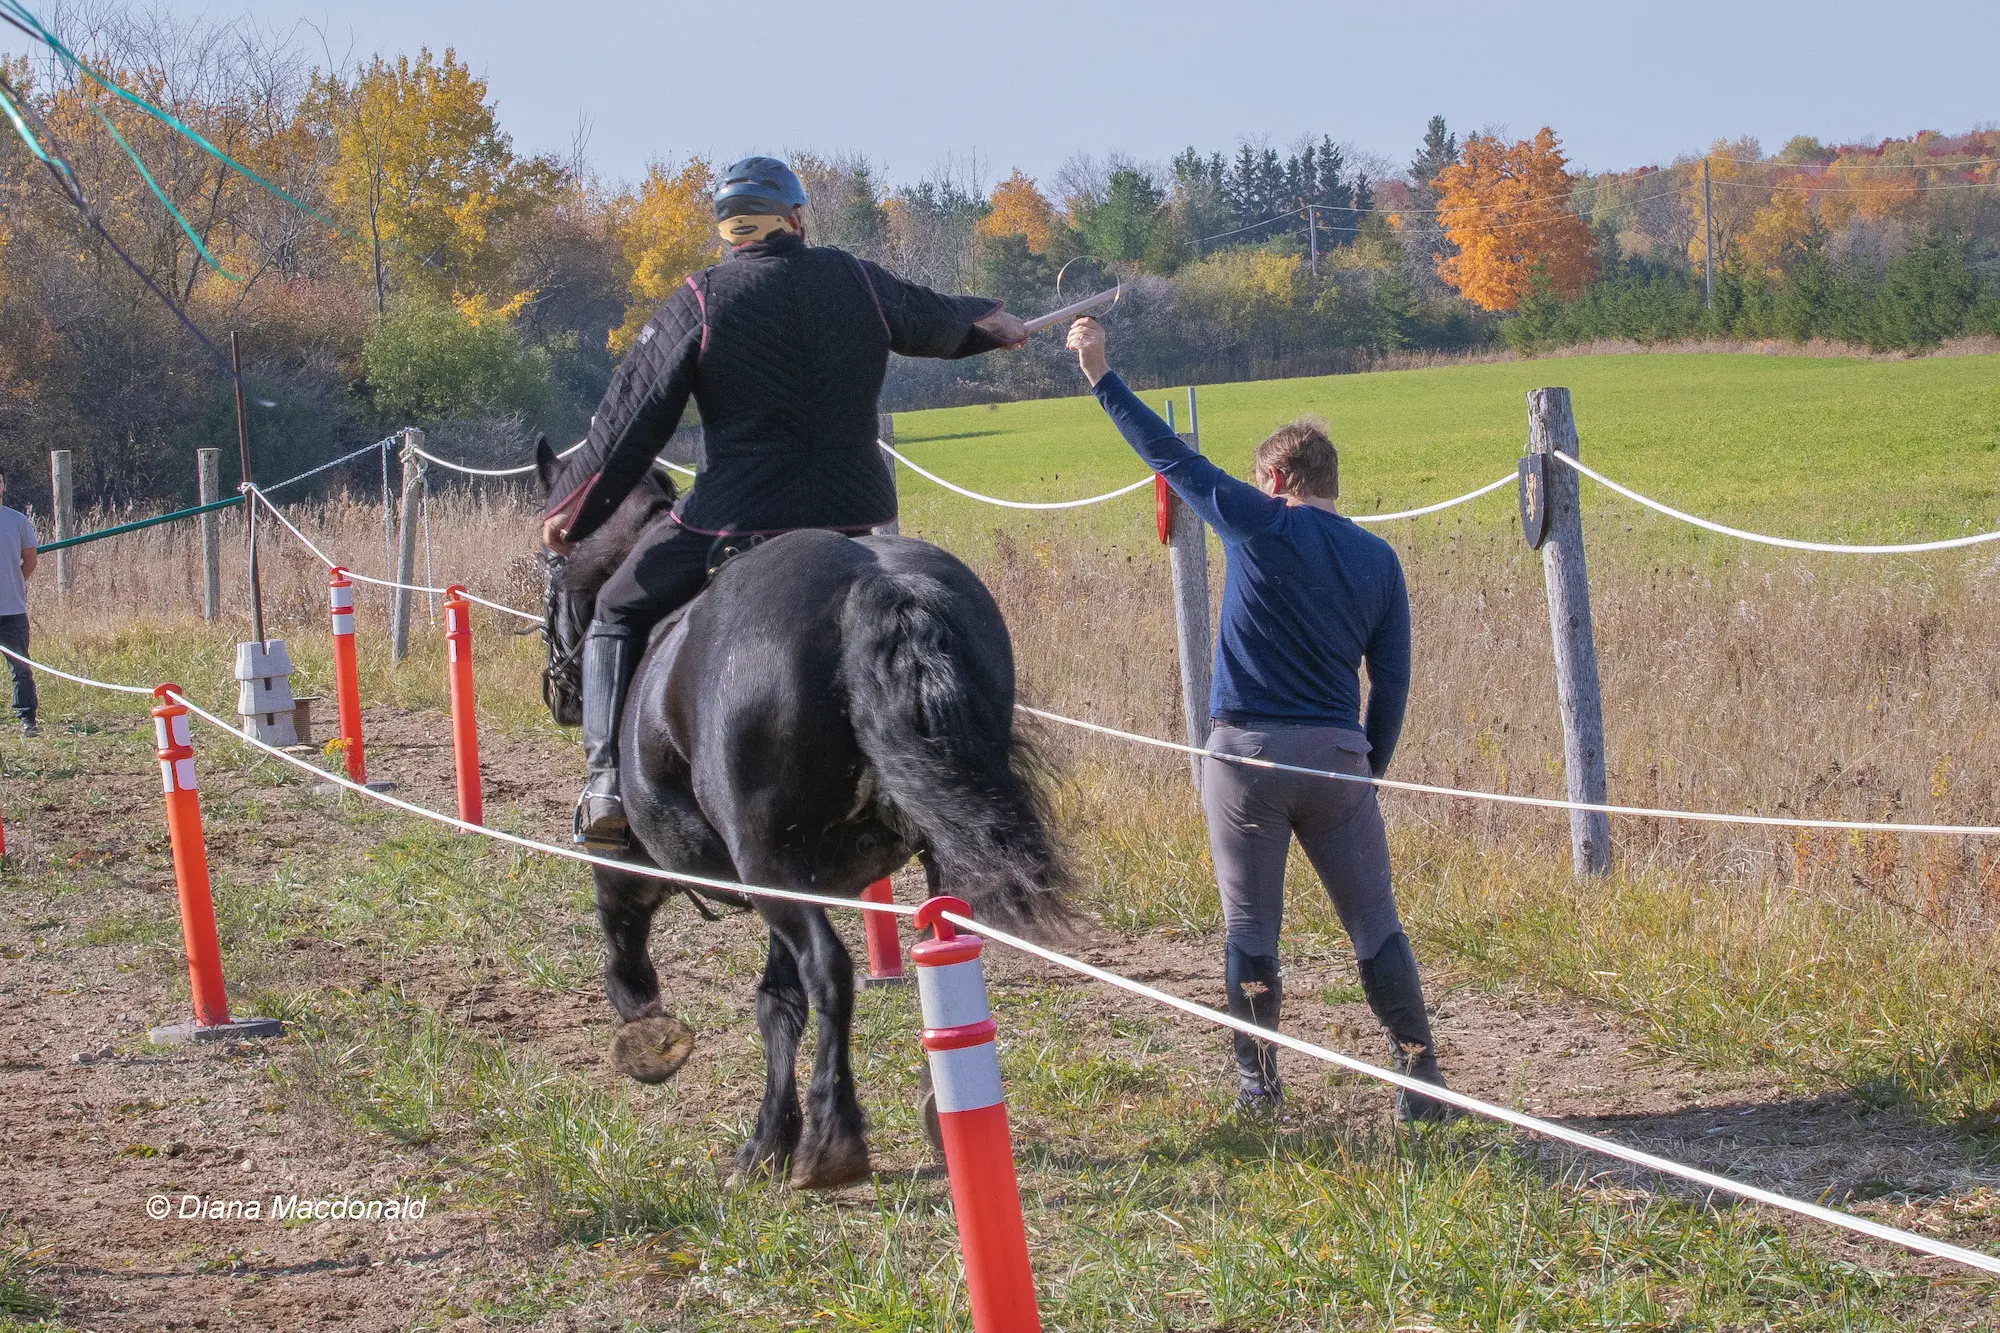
{"x":17,"y":536}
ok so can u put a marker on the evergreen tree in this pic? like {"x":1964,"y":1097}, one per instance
{"x":1440,"y":150}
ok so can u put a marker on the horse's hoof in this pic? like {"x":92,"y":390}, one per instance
{"x":651,"y":1050}
{"x":832,"y":1169}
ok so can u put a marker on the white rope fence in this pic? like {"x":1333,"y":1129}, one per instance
{"x":956,"y":489}
{"x":1508,"y":798}
{"x":1909,"y":1240}
{"x":524,"y":469}
{"x":331,"y":563}
{"x":1788,"y":543}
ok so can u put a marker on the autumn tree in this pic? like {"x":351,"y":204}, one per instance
{"x":424,"y":173}
{"x":1019,"y":208}
{"x":667,"y":231}
{"x":1506,"y":207}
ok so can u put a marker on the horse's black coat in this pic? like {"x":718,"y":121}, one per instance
{"x":828,"y":708}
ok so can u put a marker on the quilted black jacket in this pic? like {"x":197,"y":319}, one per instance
{"x":783,"y":346}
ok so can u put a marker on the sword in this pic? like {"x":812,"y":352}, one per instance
{"x":1088,"y":305}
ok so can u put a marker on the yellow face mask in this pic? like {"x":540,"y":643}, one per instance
{"x":753,"y":227}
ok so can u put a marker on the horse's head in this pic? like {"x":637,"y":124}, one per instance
{"x":571,"y":581}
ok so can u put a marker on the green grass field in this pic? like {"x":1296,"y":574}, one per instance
{"x":1823,"y":448}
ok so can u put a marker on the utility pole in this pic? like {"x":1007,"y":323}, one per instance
{"x":1707,"y":241}
{"x":1312,"y":234}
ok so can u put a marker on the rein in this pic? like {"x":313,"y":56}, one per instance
{"x":561,"y":682}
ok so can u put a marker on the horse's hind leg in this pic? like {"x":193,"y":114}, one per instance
{"x":835,"y":1150}
{"x":650,"y":1046}
{"x":781,"y":1019}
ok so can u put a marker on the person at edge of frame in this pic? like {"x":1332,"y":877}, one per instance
{"x":17,"y":566}
{"x":783,"y":346}
{"x":1307,"y":598}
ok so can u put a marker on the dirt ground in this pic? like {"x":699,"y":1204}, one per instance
{"x":96,"y":1124}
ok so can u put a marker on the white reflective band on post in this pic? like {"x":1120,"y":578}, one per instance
{"x":184,"y":773}
{"x":343,"y":622}
{"x":966,"y":1079}
{"x":167,"y":776}
{"x":160,"y":734}
{"x":182,"y":736}
{"x":451,"y":646}
{"x":343,"y":598}
{"x":953,"y":996}
{"x":461,"y":620}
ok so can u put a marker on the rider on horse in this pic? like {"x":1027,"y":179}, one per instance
{"x":783,"y":346}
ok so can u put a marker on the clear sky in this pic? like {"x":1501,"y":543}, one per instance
{"x":1029,"y":83}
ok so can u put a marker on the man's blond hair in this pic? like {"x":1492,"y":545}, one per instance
{"x":1301,"y":451}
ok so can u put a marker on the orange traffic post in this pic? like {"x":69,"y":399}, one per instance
{"x":464,"y":726}
{"x":885,"y":946}
{"x":190,"y":853}
{"x":972,"y":1121}
{"x":346,"y":675}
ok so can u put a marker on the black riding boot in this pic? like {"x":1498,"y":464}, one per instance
{"x":608,"y":659}
{"x":1396,"y":995}
{"x":1254,"y":992}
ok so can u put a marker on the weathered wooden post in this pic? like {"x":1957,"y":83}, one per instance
{"x":62,"y":491}
{"x":406,"y":547}
{"x":1551,"y":511}
{"x":885,"y":431}
{"x":208,"y":484}
{"x":1187,"y":559}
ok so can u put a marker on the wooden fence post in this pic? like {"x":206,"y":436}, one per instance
{"x":406,"y":546}
{"x":1187,"y":559}
{"x":1552,"y":429}
{"x":62,"y":491}
{"x":885,"y":430}
{"x":208,"y":483}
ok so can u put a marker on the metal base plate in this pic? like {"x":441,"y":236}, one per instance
{"x":236,"y":1029}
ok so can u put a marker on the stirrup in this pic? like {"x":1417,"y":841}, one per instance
{"x":608,"y":832}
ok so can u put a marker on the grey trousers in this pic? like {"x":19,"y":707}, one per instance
{"x":1253,"y":814}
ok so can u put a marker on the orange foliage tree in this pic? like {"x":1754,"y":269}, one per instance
{"x":1506,"y":208}
{"x":1020,"y":209}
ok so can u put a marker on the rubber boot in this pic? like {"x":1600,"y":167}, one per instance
{"x":1254,"y":992}
{"x":608,"y":659}
{"x":1389,"y":979}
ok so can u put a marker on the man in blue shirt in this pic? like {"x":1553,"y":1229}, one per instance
{"x":1307,"y":598}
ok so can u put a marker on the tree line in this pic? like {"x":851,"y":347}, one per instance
{"x":401,"y":262}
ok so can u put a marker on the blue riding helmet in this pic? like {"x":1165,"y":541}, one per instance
{"x":761,"y":186}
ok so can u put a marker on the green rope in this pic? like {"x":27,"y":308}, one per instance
{"x":210,"y":507}
{"x":165,"y":203}
{"x":21,"y":128}
{"x":21,"y":13}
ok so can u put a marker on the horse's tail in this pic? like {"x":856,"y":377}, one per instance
{"x":932,"y":699}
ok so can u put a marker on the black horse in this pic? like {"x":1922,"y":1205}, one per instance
{"x":827,"y":709}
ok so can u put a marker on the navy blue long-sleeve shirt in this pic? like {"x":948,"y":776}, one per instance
{"x":1307,"y":598}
